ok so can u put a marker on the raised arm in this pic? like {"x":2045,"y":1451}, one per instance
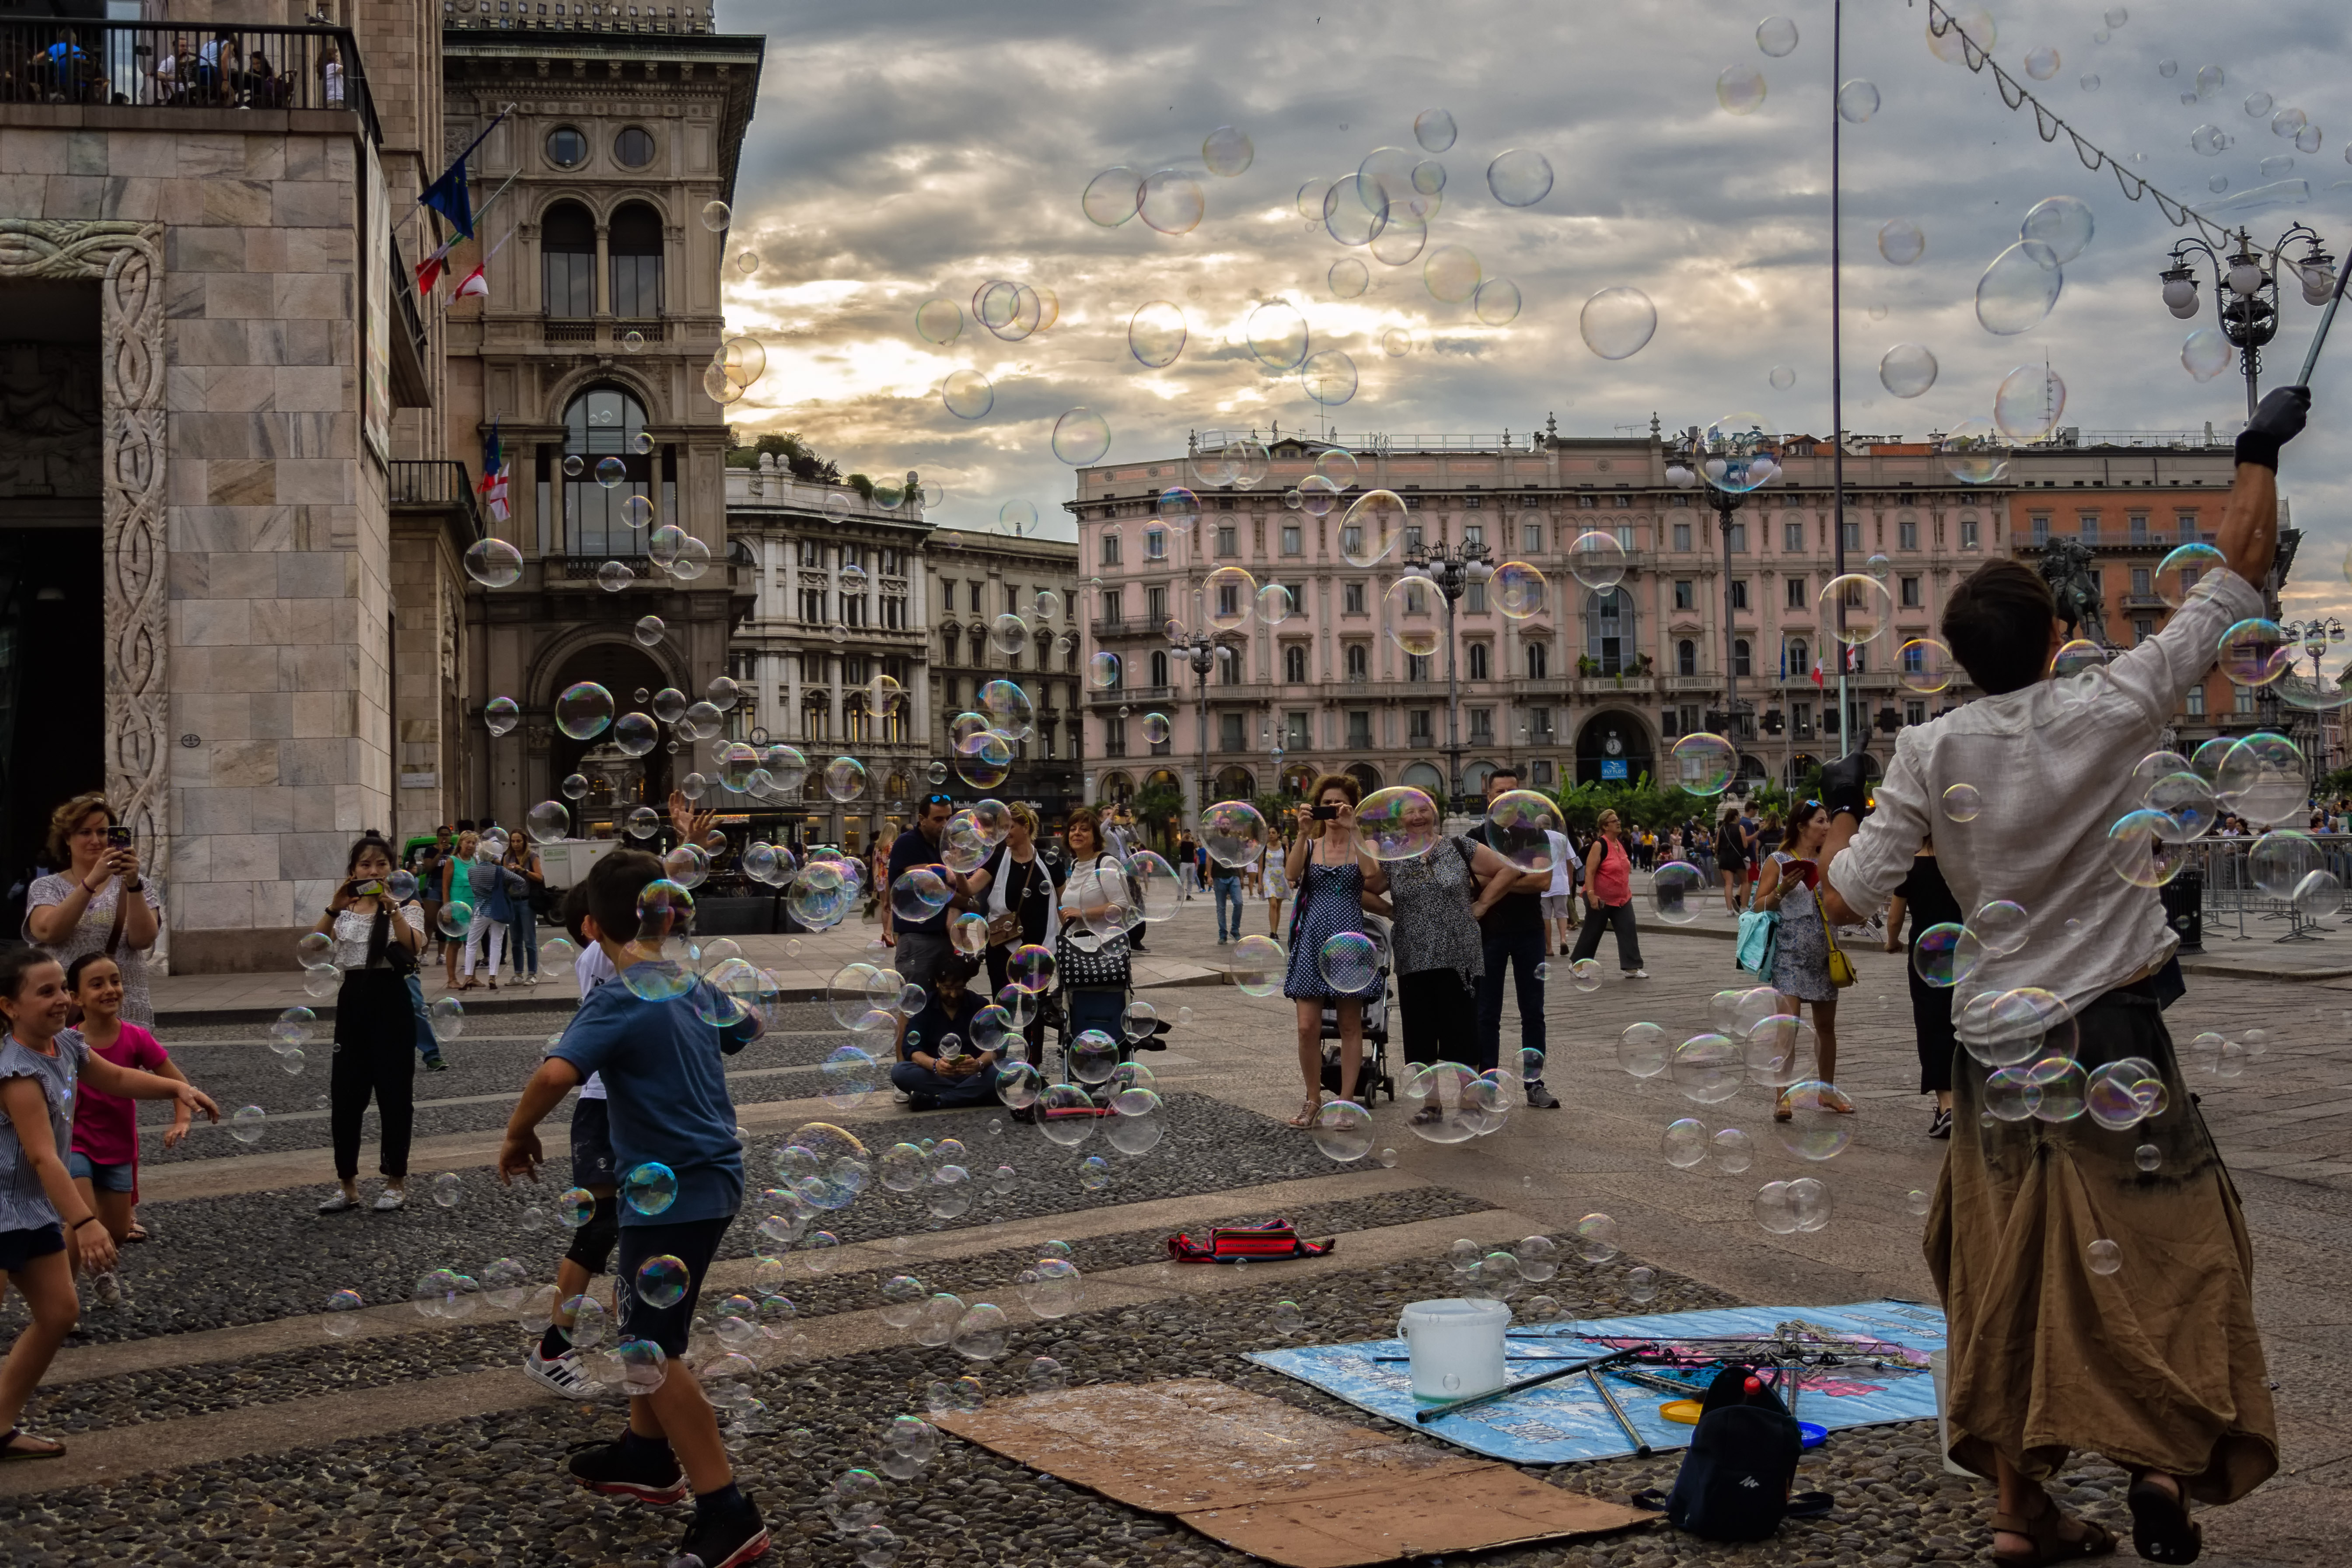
{"x":131,"y":1084}
{"x":2248,"y":537}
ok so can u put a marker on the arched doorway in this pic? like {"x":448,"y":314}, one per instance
{"x":1613,"y":747}
{"x":1115,"y":786}
{"x":1800,"y":764}
{"x":1236,"y":784}
{"x":1474,"y":776}
{"x":616,"y":783}
{"x":1296,"y":777}
{"x":1426,"y":779}
{"x":1367,"y":777}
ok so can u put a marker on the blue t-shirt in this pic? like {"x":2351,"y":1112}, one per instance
{"x":908,"y":851}
{"x":665,"y":1082}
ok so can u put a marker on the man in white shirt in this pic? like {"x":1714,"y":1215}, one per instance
{"x":1559,"y":899}
{"x":2096,"y":1280}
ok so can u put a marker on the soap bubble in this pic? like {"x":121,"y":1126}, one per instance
{"x":1398,"y":823}
{"x":1350,"y":278}
{"x":967,"y":394}
{"x":1434,"y":129}
{"x":1963,"y":802}
{"x":245,"y":1124}
{"x":1517,"y":590}
{"x":650,"y":1188}
{"x":1906,"y":370}
{"x":1496,"y":302}
{"x":2041,"y":63}
{"x":2102,"y":1256}
{"x":1596,"y":1238}
{"x":1961,"y":29}
{"x":2063,"y":224}
{"x":1740,"y":89}
{"x":661,"y":1281}
{"x":1975,"y":453}
{"x":1855,"y":607}
{"x":1643,"y":1049}
{"x":1227,"y":151}
{"x":494,"y":563}
{"x":1702,"y":763}
{"x":584,"y":710}
{"x":1156,"y":333}
{"x":1081,"y":436}
{"x":2017,"y":292}
{"x":1618,"y":322}
{"x":1342,"y":1130}
{"x":1677,"y":888}
{"x":1519,"y":178}
{"x":1258,"y":964}
{"x":1171,"y":200}
{"x":1708,"y":1068}
{"x":1112,"y":197}
{"x":1597,"y":560}
{"x":2029,"y":403}
{"x":1815,"y":1129}
{"x":1902,"y":241}
{"x":1782,"y":378}
{"x":1684,"y":1144}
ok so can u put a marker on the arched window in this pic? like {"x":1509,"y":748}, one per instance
{"x":1741,"y":658}
{"x":1294,"y":664}
{"x":1538,"y":662}
{"x":634,"y":243}
{"x":1160,"y":667}
{"x":1801,"y":659}
{"x":1357,"y":661}
{"x":605,"y":424}
{"x":1478,"y":662}
{"x":1686,"y":657}
{"x":567,"y":251}
{"x":1609,"y":628}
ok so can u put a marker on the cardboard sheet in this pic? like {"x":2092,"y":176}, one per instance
{"x":1565,"y":1423}
{"x":1276,"y":1482}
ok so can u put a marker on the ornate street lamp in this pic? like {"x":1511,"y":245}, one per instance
{"x":2246,"y":292}
{"x":1449,"y":571}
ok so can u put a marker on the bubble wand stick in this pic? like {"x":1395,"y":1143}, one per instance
{"x":2326,"y":320}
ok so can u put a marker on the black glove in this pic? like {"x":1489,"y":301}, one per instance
{"x":1845,"y":786}
{"x":2276,"y":422}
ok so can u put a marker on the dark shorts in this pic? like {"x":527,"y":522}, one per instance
{"x":919,"y":955}
{"x":19,"y":1248}
{"x":591,"y":1145}
{"x":693,"y":1243}
{"x":121,"y":1178}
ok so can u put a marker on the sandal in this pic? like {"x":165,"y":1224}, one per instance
{"x":1306,"y":1118}
{"x":2161,"y":1528}
{"x":2042,"y":1528}
{"x":11,"y":1453}
{"x":137,"y":1233}
{"x":1781,"y":1111}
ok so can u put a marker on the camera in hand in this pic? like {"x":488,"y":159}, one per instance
{"x":1324,"y":813}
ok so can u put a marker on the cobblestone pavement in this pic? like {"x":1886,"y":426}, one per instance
{"x":212,"y":1421}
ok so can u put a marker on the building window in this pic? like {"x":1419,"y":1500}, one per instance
{"x":1910,"y":592}
{"x":603,"y":423}
{"x":1915,"y":710}
{"x":2197,"y":701}
{"x":566,"y":148}
{"x":1416,"y":727}
{"x":1479,"y":661}
{"x":1609,"y":629}
{"x":1225,"y":542}
{"x":1530,"y":538}
{"x":1740,"y":660}
{"x":1155,"y":610}
{"x":1475,"y":601}
{"x":1796,"y":593}
{"x":1685,"y":594}
{"x":1681,"y":536}
{"x":634,"y":148}
{"x":634,"y":243}
{"x":1481,"y":726}
{"x":1540,"y":727}
{"x":1738,"y":539}
{"x":813,"y":614}
{"x":1159,"y":669}
{"x":1114,"y":605}
{"x":1915,"y":659}
{"x":1360,"y":730}
{"x":1357,"y":661}
{"x":1294,"y":664}
{"x":1114,"y":736}
{"x":1906,"y":532}
{"x":1229,"y":733}
{"x":1967,"y":534}
{"x":1294,"y":737}
{"x":1797,"y":654}
{"x":1853,"y":534}
{"x":1155,"y":544}
{"x":2242,"y":699}
{"x":2186,"y":524}
{"x":1542,"y":773}
{"x":2137,"y":526}
{"x":1416,"y":666}
{"x":1687,"y":657}
{"x":1351,"y":541}
{"x":2040,"y":525}
{"x":1793,"y":539}
{"x":1229,"y":603}
{"x":1351,"y":598}
{"x":2088,"y":523}
{"x":1291,"y":539}
{"x":1412,"y":537}
{"x":1470,"y":503}
{"x":1669,"y":724}
{"x":2143,"y":627}
{"x":1538,"y":662}
{"x":1740,"y":593}
{"x":1473,"y":533}
{"x":1109,"y":550}
{"x":567,"y":255}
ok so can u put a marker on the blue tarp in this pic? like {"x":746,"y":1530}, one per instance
{"x":1565,"y":1423}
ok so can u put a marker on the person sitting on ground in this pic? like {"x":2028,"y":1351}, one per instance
{"x":938,"y":1064}
{"x":669,"y":1105}
{"x":2094,"y":1300}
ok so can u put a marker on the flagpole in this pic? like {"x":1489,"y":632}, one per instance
{"x":1837,"y":367}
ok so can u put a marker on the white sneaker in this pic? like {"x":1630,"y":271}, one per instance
{"x":562,"y":1374}
{"x":336,"y":1202}
{"x":390,"y":1200}
{"x":107,"y":1289}
{"x":1637,"y":974}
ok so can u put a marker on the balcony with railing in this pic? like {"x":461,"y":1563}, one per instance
{"x":208,"y":66}
{"x":442,"y":485}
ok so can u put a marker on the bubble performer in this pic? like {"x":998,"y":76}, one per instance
{"x":664,"y":1068}
{"x":2091,"y":1305}
{"x":377,"y":940}
{"x":41,"y":1061}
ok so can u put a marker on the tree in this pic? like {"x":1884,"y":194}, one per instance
{"x":791,"y":453}
{"x":1156,"y":807}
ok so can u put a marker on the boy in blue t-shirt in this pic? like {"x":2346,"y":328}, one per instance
{"x":665,"y":1074}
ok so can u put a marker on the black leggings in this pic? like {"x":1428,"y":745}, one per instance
{"x":1608,"y":917}
{"x":375,"y":1055}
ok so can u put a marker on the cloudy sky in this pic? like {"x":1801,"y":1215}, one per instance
{"x":907,"y":151}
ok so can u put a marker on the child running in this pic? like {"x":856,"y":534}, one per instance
{"x":104,"y":1162}
{"x":41,"y":1062}
{"x":667,"y":1105}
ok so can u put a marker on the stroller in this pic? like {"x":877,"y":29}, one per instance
{"x":1372,"y":1076}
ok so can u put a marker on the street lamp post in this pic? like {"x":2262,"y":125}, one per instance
{"x":1449,"y":572}
{"x":2316,"y":635}
{"x":2246,"y":291}
{"x":1200,"y":651}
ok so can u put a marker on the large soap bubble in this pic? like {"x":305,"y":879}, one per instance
{"x":1618,"y":322}
{"x":2018,"y":290}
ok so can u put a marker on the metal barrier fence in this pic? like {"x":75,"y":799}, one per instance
{"x":2236,"y":910}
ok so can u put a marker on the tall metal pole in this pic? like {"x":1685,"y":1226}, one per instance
{"x":1837,"y":364}
{"x":1723,"y":507}
{"x":1453,"y":705}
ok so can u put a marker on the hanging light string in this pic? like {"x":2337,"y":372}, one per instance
{"x":2046,"y":120}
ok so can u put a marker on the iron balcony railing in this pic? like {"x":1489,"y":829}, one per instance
{"x":437,"y":482}
{"x":147,"y":65}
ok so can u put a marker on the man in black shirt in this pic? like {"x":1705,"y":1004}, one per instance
{"x":938,"y":1064}
{"x":1513,"y":932}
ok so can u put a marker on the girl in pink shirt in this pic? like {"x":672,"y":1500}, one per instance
{"x":104,"y":1160}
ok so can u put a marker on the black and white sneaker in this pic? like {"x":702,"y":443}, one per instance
{"x":1941,"y":1127}
{"x":563,"y":1374}
{"x":1541,"y":1097}
{"x":616,"y":1471}
{"x":718,"y":1540}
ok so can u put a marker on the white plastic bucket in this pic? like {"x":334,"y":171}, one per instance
{"x":1943,"y":1423}
{"x":1456,"y":1347}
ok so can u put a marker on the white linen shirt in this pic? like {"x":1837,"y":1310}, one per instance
{"x":2052,"y":765}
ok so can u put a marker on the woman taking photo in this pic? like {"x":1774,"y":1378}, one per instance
{"x":41,"y":1215}
{"x":83,"y":907}
{"x":1014,"y":889}
{"x":1434,"y":900}
{"x":1800,"y":955}
{"x":1609,"y":896}
{"x":1332,"y":874}
{"x":376,"y":944}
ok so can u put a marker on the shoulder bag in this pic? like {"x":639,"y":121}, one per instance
{"x":1759,"y":938}
{"x":1841,"y":967}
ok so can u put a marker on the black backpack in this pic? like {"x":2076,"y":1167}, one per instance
{"x":1733,"y":1484}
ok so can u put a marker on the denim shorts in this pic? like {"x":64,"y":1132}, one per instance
{"x":121,"y":1178}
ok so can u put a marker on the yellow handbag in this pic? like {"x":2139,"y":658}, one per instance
{"x":1841,"y":966}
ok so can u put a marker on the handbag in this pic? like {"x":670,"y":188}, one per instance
{"x":1841,"y":967}
{"x":1759,"y":941}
